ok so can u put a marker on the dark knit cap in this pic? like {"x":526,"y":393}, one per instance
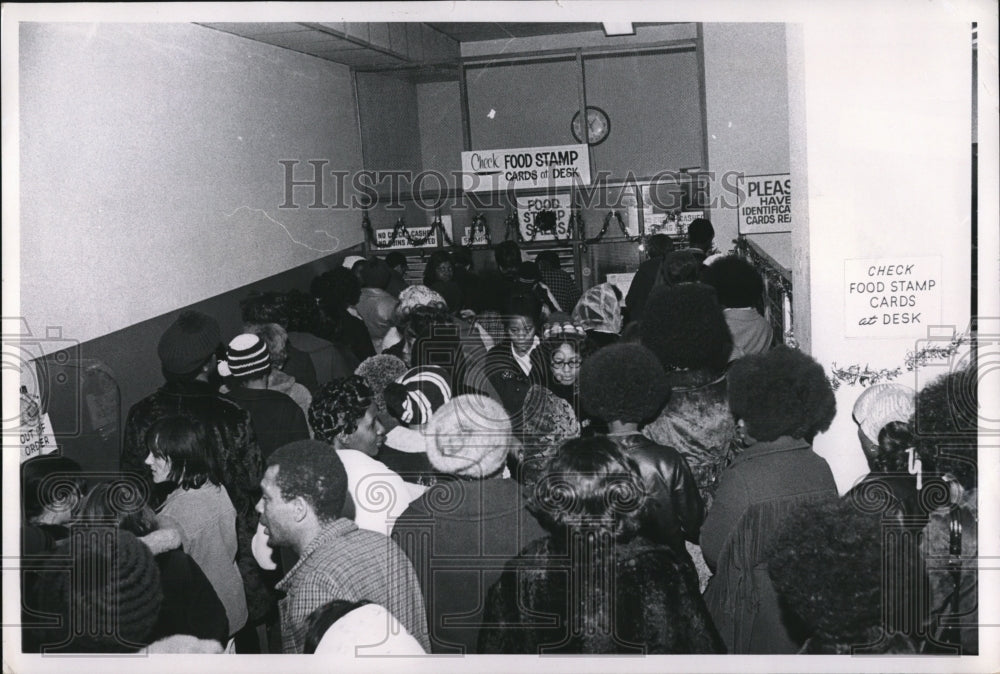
{"x":111,"y":602}
{"x":623,"y":382}
{"x":189,"y":342}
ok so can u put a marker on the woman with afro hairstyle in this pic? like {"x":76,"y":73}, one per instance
{"x":829,"y":569}
{"x":344,"y":415}
{"x":946,"y":423}
{"x":609,"y":589}
{"x":782,"y":399}
{"x":741,"y":291}
{"x":623,"y":385}
{"x":685,"y":328}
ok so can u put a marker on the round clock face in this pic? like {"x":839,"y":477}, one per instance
{"x":598,"y":126}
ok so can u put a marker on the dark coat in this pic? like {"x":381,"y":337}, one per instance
{"x":641,"y":286}
{"x":231,"y":434}
{"x":509,"y":380}
{"x":190,"y":604}
{"x":763,"y":486}
{"x":674,"y":510}
{"x":550,"y":601}
{"x":458,"y":535}
{"x":276,"y":417}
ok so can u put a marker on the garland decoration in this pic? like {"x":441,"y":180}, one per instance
{"x":773,"y":276}
{"x":604,"y":229}
{"x":855,"y":375}
{"x":400,"y":231}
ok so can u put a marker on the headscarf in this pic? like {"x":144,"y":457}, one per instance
{"x":599,"y":309}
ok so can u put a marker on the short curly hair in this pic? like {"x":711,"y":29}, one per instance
{"x":686,"y":329}
{"x":336,"y":289}
{"x":378,"y":372}
{"x":828,"y":568}
{"x":314,"y":471}
{"x":623,"y":382}
{"x":737,"y":282}
{"x":783,"y":392}
{"x":269,"y":307}
{"x":303,"y":313}
{"x":945,"y":424}
{"x":338,"y":407}
{"x":589,"y":484}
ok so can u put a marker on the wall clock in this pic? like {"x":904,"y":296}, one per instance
{"x":598,"y":126}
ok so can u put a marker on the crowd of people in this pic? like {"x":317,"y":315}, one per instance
{"x":496,"y":462}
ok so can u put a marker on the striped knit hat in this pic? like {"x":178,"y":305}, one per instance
{"x":246,"y":356}
{"x":416,"y":395}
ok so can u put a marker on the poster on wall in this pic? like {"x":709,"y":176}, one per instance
{"x":549,"y":227}
{"x":384,"y":236}
{"x":765,"y":204}
{"x":525,"y":168}
{"x":891,"y":296}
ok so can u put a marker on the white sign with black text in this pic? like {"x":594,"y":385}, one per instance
{"x":525,"y":168}
{"x":891,"y":296}
{"x":765,"y":204}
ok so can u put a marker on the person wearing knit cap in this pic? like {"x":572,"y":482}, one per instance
{"x":623,"y":385}
{"x":343,"y":414}
{"x":472,"y":514}
{"x":599,"y":311}
{"x":193,"y":338}
{"x":276,"y":417}
{"x":877,"y":406}
{"x":685,"y":328}
{"x":304,"y":495}
{"x":108,"y":601}
{"x":411,"y":400}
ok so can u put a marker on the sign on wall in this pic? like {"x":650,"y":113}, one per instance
{"x":765,"y":204}
{"x":525,"y":168}
{"x":529,"y":207}
{"x":891,"y":296}
{"x":384,"y":236}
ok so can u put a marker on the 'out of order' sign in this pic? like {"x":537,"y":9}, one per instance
{"x":891,"y":296}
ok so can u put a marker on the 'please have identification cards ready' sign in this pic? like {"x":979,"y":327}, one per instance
{"x":525,"y":168}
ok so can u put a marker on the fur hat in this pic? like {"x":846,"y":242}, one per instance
{"x":470,"y":436}
{"x":247,"y":356}
{"x":188,"y":343}
{"x":417,"y":394}
{"x":378,"y":372}
{"x":623,"y":382}
{"x":417,"y":296}
{"x":880,"y":404}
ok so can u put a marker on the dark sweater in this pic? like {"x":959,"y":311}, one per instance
{"x":190,"y":604}
{"x":276,"y":417}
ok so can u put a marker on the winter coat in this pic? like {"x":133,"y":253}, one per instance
{"x":764,"y":485}
{"x":609,"y":597}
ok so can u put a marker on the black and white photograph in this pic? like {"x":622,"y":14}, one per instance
{"x":495,"y":336}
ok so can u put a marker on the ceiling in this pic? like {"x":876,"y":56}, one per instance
{"x":368,"y":46}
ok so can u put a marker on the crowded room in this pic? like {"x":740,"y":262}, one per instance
{"x":547,"y":337}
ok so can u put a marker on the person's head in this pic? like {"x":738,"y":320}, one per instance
{"x":701,"y":234}
{"x":548,"y":422}
{"x":336,"y":290}
{"x":624,"y":383}
{"x":547,"y":260}
{"x":522,"y":315}
{"x":562,"y":346}
{"x":658,"y":246}
{"x":679,"y":266}
{"x":304,"y":487}
{"x":507,"y":256}
{"x":945,"y":423}
{"x":376,"y":274}
{"x":470,"y":436}
{"x":781,"y":393}
{"x":528,"y":273}
{"x":829,"y":567}
{"x":397,"y":262}
{"x":379,"y":371}
{"x":52,"y":487}
{"x":187,"y":348}
{"x":118,"y":504}
{"x":417,"y":394}
{"x":686,"y":329}
{"x":878,"y":405}
{"x":737,"y":282}
{"x":439,"y":268}
{"x":303,"y":314}
{"x":179,"y":452}
{"x":269,"y":307}
{"x":276,"y":339}
{"x":247,"y":359}
{"x":590,"y":484}
{"x":343,"y":413}
{"x":599,"y":309}
{"x":416,"y":296}
{"x":357,"y":266}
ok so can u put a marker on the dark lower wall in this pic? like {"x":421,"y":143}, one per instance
{"x":89,"y":388}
